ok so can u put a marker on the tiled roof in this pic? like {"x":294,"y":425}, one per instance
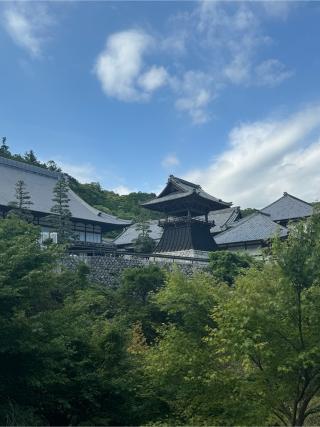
{"x":288,"y":207}
{"x":255,"y":227}
{"x":128,"y":236}
{"x":223,"y":218}
{"x":40,"y":183}
{"x":183,"y":189}
{"x":182,"y":183}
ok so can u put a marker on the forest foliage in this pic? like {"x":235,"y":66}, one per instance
{"x":160,"y":348}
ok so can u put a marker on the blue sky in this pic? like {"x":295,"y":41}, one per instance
{"x":125,"y":93}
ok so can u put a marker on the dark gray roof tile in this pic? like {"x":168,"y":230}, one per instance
{"x":40,"y":183}
{"x":128,"y":236}
{"x":288,"y":207}
{"x":183,"y":189}
{"x":255,"y":227}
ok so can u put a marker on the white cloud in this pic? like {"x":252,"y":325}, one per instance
{"x":266,"y":158}
{"x":170,"y":161}
{"x":84,"y":173}
{"x":271,"y":73}
{"x":153,"y":78}
{"x":122,"y":190}
{"x":175,"y":43}
{"x":121,"y":70}
{"x":28,"y":25}
{"x":238,"y":70}
{"x":194,"y":95}
{"x":224,"y":39}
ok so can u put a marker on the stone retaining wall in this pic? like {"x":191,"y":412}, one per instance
{"x":108,"y":269}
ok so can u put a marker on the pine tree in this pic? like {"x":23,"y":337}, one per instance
{"x":143,"y":243}
{"x":30,"y":157}
{"x":4,"y":149}
{"x":143,"y":225}
{"x":60,"y":218}
{"x":52,"y":166}
{"x":22,"y":203}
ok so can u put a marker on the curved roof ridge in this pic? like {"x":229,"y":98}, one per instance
{"x":251,"y":230}
{"x":285,"y":194}
{"x":296,"y":198}
{"x":99,"y":214}
{"x":27,"y":167}
{"x":183,"y":181}
{"x":246,"y":218}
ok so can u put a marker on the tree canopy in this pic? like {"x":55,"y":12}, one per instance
{"x":238,"y":344}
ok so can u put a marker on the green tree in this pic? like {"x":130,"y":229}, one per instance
{"x":31,"y":158}
{"x":225,"y":266}
{"x":4,"y":149}
{"x":24,"y":269}
{"x":179,"y":367}
{"x":60,"y":218}
{"x":144,"y":244}
{"x":134,"y":297}
{"x":270,"y":325}
{"x":62,"y":361}
{"x":142,"y":225}
{"x":21,"y":206}
{"x":51,"y":165}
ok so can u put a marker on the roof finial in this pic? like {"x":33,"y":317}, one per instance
{"x":285,"y":193}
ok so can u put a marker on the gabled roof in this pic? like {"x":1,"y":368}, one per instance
{"x":178,"y":189}
{"x":40,"y":183}
{"x":128,"y":236}
{"x":288,"y":207}
{"x":254,"y":227}
{"x":176,"y":184}
{"x":223,"y":218}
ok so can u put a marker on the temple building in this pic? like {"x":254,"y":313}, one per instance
{"x":251,"y":233}
{"x":229,"y":230}
{"x":221,"y":220}
{"x":89,"y":223}
{"x":186,"y":227}
{"x":255,"y":231}
{"x":288,"y":208}
{"x":194,"y":222}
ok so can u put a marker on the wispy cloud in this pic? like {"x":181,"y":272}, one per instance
{"x":224,"y":39}
{"x":271,"y":73}
{"x":195,"y":93}
{"x":84,"y":173}
{"x":28,"y":25}
{"x":170,"y":161}
{"x":265,"y":158}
